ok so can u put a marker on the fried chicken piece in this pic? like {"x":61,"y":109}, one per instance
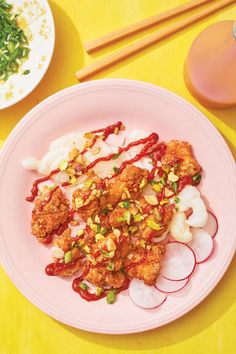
{"x":50,"y":211}
{"x":97,"y":276}
{"x":123,"y":214}
{"x":85,"y":200}
{"x":180,"y":152}
{"x":161,"y":216}
{"x":109,"y":274}
{"x":149,"y":268}
{"x":127,"y":184}
{"x":118,"y":217}
{"x":102,"y":277}
{"x":66,"y":243}
{"x":115,"y":279}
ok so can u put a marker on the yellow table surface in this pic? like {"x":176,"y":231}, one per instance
{"x":210,"y":326}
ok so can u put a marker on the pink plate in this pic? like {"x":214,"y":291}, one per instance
{"x":82,"y":108}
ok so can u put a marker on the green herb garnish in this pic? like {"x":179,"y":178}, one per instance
{"x":110,"y":266}
{"x":114,"y":157}
{"x":103,"y":230}
{"x":115,"y":169}
{"x":68,"y":257}
{"x":14,"y":48}
{"x":163,"y":181}
{"x":177,"y":200}
{"x":105,"y":211}
{"x":111,"y":296}
{"x":26,"y":72}
{"x":174,"y":186}
{"x":83,"y":286}
{"x":196,"y":178}
{"x":125,"y":204}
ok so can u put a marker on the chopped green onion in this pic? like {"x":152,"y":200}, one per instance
{"x":196,"y":178}
{"x":111,"y":296}
{"x":83,"y":286}
{"x":110,"y":266}
{"x":114,"y":157}
{"x":96,"y":228}
{"x":163,"y":181}
{"x":105,"y":211}
{"x":68,"y":257}
{"x":103,"y":230}
{"x":115,"y":169}
{"x":14,"y":48}
{"x":125,"y":204}
{"x":174,"y":186}
{"x":177,"y":200}
{"x":26,"y":72}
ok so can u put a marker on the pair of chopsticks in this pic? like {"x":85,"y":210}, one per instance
{"x":149,"y":40}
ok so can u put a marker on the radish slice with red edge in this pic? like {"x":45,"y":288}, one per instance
{"x":212,"y":224}
{"x":170,"y":286}
{"x":179,"y":261}
{"x":201,"y":244}
{"x":145,"y":296}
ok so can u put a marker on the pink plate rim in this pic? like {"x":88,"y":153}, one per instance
{"x":147,"y":89}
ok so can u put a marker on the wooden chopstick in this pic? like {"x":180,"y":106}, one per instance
{"x":121,"y":33}
{"x":135,"y":47}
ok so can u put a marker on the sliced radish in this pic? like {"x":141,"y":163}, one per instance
{"x":201,"y":244}
{"x":170,"y":286}
{"x":145,"y":296}
{"x":179,"y":261}
{"x":212,"y":224}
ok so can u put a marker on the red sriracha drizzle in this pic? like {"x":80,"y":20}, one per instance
{"x":152,"y":149}
{"x":149,"y":141}
{"x":35,"y":188}
{"x":106,"y":132}
{"x":49,"y":197}
{"x":55,"y":268}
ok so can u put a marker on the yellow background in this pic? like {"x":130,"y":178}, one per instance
{"x":208,"y":328}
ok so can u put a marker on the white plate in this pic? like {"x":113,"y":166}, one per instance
{"x":37,"y":17}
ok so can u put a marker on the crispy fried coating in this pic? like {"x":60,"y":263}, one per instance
{"x":161,"y":216}
{"x":108,"y":271}
{"x":180,"y":152}
{"x":97,"y":276}
{"x":102,"y":277}
{"x":126,"y":184}
{"x":72,"y":269}
{"x":149,"y":268}
{"x":115,"y":279}
{"x":50,"y":211}
{"x":91,"y":202}
{"x":66,"y":242}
